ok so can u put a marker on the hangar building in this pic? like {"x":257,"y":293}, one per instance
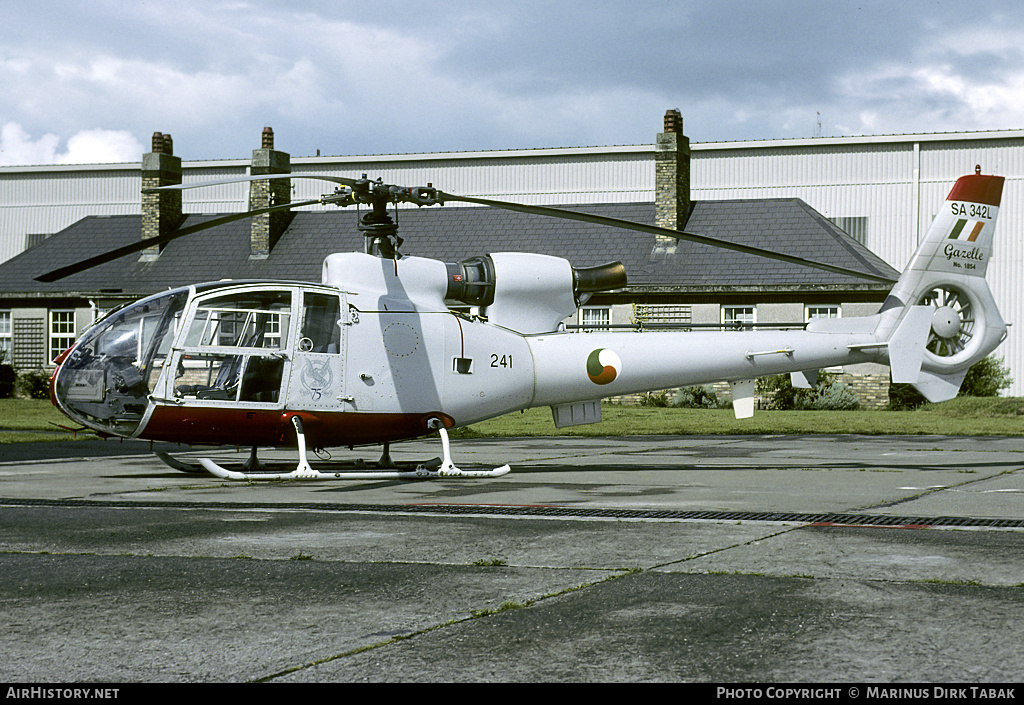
{"x":862,"y":201}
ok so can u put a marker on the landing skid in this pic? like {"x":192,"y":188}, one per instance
{"x":384,"y":469}
{"x":197,"y":468}
{"x":350,"y":471}
{"x":179,"y":465}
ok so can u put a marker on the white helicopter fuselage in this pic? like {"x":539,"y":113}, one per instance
{"x":382,"y":350}
{"x":476,"y":370}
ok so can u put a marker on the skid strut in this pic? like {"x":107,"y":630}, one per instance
{"x":304,"y":471}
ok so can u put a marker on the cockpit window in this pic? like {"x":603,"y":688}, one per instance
{"x":231,"y":349}
{"x":255,"y":319}
{"x":319,"y":327}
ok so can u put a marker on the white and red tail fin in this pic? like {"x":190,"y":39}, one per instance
{"x":947,"y":274}
{"x":959,"y":242}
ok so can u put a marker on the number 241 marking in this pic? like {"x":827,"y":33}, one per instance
{"x":503,"y":361}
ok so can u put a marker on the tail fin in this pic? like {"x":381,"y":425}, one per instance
{"x":947,"y":275}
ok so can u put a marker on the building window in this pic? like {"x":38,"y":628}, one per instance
{"x":822,"y":312}
{"x":595,"y":318}
{"x":680,"y":315}
{"x":62,"y":332}
{"x":854,"y":226}
{"x":28,"y":342}
{"x":5,"y":336}
{"x":737,"y":316}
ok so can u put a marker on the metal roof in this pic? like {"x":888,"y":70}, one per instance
{"x":554,"y":151}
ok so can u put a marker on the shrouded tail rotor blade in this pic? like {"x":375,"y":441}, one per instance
{"x":655,"y":230}
{"x":141,"y":245}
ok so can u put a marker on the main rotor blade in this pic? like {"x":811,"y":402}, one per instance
{"x":141,"y":245}
{"x":655,"y":230}
{"x":243,"y":179}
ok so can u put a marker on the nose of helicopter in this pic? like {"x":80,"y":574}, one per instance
{"x":105,"y":380}
{"x":58,"y":361}
{"x":91,"y":389}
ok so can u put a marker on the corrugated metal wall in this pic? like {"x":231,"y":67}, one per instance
{"x":897,"y":183}
{"x":539,"y":177}
{"x":47,"y":200}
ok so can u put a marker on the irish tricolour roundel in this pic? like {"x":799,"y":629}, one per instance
{"x":603,"y":366}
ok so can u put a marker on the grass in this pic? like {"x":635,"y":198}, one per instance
{"x":30,"y":415}
{"x":995,"y":416}
{"x":968,"y":416}
{"x":36,"y":415}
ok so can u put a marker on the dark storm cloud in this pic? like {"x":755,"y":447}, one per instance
{"x":388,"y":76}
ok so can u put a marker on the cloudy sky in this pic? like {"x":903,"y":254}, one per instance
{"x":87,"y":82}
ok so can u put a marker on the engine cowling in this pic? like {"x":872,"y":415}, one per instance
{"x":526,"y":292}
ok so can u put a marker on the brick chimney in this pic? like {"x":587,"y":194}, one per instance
{"x":266,"y":229}
{"x":671,"y":178}
{"x":161,"y":212}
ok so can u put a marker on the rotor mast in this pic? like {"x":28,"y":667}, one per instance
{"x":380,"y":232}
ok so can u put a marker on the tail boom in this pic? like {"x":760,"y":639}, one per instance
{"x":573,"y":367}
{"x":939,"y":319}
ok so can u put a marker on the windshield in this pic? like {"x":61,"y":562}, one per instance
{"x":106,"y":380}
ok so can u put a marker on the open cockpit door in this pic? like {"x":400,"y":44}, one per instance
{"x":235,"y":349}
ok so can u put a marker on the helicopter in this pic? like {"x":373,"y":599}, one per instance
{"x":382,"y":351}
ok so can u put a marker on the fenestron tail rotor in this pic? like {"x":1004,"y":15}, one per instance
{"x":955,"y":325}
{"x":382,"y":233}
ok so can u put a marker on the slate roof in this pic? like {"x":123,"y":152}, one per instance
{"x":454,"y":233}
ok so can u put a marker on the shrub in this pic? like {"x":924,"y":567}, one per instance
{"x":827,"y":394}
{"x":986,"y":378}
{"x":34,"y":384}
{"x":658,"y":399}
{"x":7,"y":377}
{"x":903,"y":397}
{"x":836,"y":397}
{"x":778,"y":391}
{"x":696,"y":398}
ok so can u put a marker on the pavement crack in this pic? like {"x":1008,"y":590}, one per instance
{"x":932,"y":490}
{"x":722,"y":549}
{"x":506,"y":606}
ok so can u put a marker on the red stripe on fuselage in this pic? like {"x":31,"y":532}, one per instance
{"x":273,"y":427}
